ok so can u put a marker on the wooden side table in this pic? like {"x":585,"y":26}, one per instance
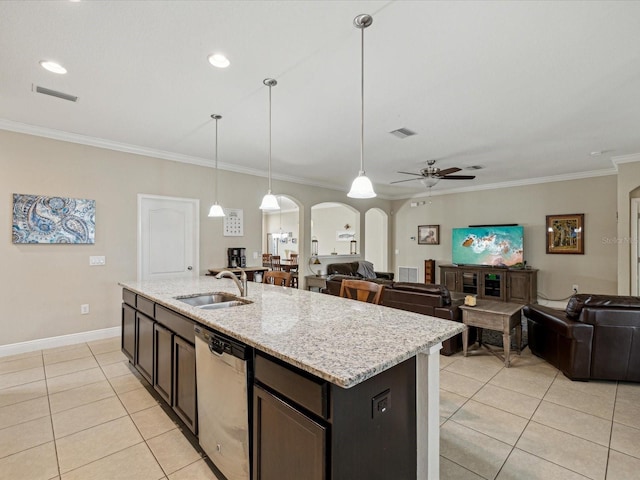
{"x":500,"y":316}
{"x":315,"y":281}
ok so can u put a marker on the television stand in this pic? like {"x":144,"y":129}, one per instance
{"x":515,"y":285}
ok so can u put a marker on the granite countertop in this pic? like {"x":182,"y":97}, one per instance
{"x":342,"y":341}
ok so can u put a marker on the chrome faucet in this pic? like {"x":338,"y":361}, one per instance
{"x":242,"y":283}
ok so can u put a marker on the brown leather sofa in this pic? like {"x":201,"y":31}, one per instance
{"x":336,"y":272}
{"x":428,"y":299}
{"x":595,"y":337}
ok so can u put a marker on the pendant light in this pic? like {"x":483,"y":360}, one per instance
{"x":269,"y":201}
{"x":361,"y":186}
{"x":216,"y":209}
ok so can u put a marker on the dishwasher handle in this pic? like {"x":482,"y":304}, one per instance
{"x":220,"y":344}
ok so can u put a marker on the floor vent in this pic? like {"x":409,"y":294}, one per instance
{"x":55,"y":93}
{"x":407,"y":274}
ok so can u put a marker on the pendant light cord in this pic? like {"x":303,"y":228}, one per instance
{"x":269,"y":138}
{"x":362,"y":101}
{"x":215,"y":197}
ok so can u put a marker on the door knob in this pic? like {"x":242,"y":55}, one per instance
{"x":189,"y":267}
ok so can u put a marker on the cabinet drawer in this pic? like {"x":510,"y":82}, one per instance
{"x":145,"y":306}
{"x":306,"y":392}
{"x":129,"y":297}
{"x":176,"y":323}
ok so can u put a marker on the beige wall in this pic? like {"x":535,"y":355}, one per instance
{"x":628,"y":181}
{"x":43,"y":286}
{"x":595,"y":271}
{"x":327,"y":220}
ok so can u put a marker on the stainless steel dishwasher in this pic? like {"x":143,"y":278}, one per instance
{"x":224,"y":387}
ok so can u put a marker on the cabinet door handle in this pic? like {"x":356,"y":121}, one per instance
{"x":189,"y":267}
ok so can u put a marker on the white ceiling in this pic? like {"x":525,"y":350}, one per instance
{"x":525,"y":89}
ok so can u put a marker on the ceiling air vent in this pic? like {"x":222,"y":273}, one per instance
{"x":474,"y":167}
{"x":402,"y":133}
{"x":54,"y":93}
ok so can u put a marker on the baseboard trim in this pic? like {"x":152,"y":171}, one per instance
{"x":61,"y":341}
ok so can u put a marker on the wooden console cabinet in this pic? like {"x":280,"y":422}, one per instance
{"x":503,"y":284}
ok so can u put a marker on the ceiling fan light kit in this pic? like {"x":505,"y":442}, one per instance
{"x":269,"y":201}
{"x":216,"y":210}
{"x":431,"y":175}
{"x":362,"y":186}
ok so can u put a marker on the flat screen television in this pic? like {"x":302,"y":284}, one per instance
{"x":496,"y":246}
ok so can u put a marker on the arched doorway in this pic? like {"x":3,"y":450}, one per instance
{"x":281,"y":229}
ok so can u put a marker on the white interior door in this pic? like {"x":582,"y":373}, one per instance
{"x":168,"y":237}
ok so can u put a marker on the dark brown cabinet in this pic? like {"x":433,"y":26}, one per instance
{"x":159,"y":342}
{"x":306,"y":428}
{"x":184,"y":382}
{"x":282,"y":432}
{"x":128,"y":332}
{"x":144,"y":346}
{"x":503,"y":284}
{"x":163,"y":374}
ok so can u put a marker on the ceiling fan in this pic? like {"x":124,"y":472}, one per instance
{"x":431,"y":175}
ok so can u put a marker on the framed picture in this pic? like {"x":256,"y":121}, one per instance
{"x":43,"y":219}
{"x":565,"y":233}
{"x":428,"y":234}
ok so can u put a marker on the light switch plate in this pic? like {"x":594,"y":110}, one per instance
{"x":97,"y":260}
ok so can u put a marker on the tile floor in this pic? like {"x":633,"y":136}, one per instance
{"x":79,"y":412}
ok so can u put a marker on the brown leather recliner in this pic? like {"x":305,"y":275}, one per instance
{"x":596,"y":337}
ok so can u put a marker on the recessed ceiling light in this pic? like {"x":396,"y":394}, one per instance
{"x":53,"y":67}
{"x":597,"y":153}
{"x":219,"y":60}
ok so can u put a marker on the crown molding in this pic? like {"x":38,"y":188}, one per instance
{"x":634,"y":157}
{"x":53,"y":134}
{"x":63,"y":136}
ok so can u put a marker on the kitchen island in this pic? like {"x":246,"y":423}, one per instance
{"x":346,"y":343}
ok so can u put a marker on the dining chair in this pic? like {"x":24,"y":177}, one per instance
{"x":275,"y":263}
{"x":277,"y":278}
{"x":266,"y":260}
{"x":293,"y":266}
{"x":362,"y":290}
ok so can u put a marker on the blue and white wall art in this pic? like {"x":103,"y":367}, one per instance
{"x":40,"y":219}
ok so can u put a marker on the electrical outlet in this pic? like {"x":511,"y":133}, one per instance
{"x":84,"y":309}
{"x":255,"y":255}
{"x":380,"y":403}
{"x":575,"y":288}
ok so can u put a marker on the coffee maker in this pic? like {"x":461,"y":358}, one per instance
{"x":236,"y":257}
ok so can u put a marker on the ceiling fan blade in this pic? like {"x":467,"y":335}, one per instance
{"x":407,"y":180}
{"x":458,"y":177}
{"x":447,"y":171}
{"x":411,"y":173}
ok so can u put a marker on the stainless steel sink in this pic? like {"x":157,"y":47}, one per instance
{"x":214,"y":301}
{"x":215,"y":306}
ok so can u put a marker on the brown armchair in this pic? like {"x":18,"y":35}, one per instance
{"x":596,"y":337}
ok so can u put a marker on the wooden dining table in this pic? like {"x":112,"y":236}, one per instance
{"x":287,"y":265}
